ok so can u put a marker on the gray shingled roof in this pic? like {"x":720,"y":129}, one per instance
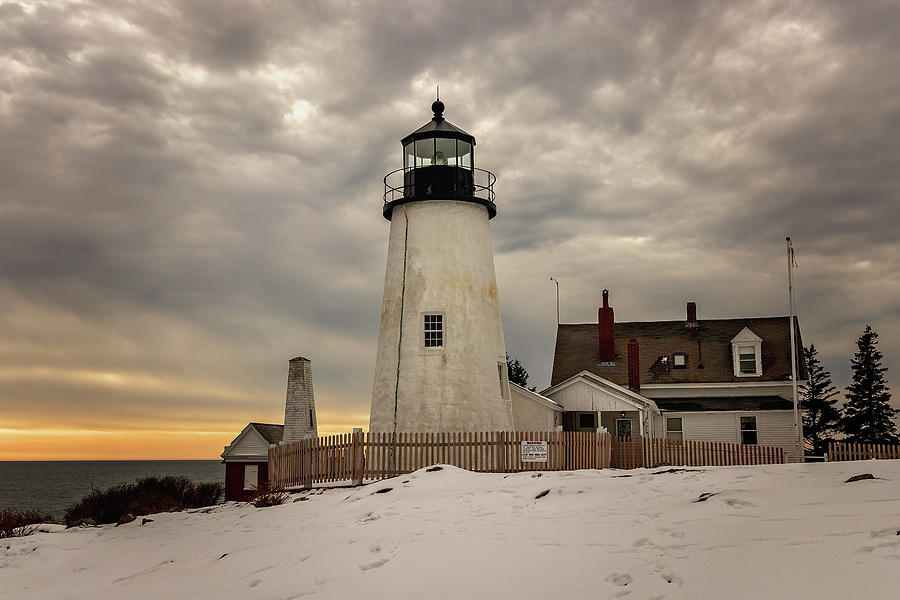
{"x":708,"y":345}
{"x":273,"y":433}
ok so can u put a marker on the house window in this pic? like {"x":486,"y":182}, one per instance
{"x":674,"y":428}
{"x":680,"y":360}
{"x":747,"y":359}
{"x":748,"y":431}
{"x":587,"y":420}
{"x":434,"y":330}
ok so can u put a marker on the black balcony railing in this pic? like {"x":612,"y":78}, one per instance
{"x":439,"y":182}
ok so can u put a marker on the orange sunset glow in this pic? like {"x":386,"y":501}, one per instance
{"x":112,"y":444}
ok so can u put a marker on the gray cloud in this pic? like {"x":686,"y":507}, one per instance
{"x":191,"y":191}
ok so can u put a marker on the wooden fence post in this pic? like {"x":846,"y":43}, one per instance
{"x":358,"y":464}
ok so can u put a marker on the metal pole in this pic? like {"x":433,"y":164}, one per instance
{"x":798,"y":423}
{"x":557,"y":298}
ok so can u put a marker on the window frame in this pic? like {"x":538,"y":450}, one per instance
{"x":630,"y":429}
{"x":575,"y":422}
{"x":425,"y":330}
{"x":679,"y":431}
{"x":741,"y":430}
{"x":743,"y":350}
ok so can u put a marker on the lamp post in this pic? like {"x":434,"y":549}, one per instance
{"x":557,"y":298}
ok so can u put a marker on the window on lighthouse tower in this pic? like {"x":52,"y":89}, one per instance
{"x":434,"y":330}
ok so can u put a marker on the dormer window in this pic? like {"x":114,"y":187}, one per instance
{"x":746,"y":349}
{"x":747,"y":359}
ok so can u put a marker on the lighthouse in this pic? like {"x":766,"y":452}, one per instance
{"x":441,"y":363}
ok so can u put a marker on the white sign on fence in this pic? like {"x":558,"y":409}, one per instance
{"x":534,"y":451}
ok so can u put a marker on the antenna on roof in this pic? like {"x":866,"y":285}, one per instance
{"x":438,"y":94}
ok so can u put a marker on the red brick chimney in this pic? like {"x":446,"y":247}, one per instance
{"x":691,"y":322}
{"x":634,"y":365}
{"x":606,"y":331}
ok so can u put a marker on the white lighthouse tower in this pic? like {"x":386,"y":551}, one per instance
{"x":441,"y":363}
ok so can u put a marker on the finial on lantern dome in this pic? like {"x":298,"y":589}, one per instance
{"x":438,"y":107}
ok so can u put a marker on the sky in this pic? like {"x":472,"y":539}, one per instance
{"x":190,"y":192}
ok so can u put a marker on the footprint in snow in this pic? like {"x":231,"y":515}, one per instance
{"x":373,"y":565}
{"x":620,"y":579}
{"x":735,"y":503}
{"x":671,"y":578}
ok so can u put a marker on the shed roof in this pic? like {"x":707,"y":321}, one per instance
{"x":272,"y":433}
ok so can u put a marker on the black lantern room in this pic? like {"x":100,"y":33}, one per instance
{"x":439,"y":164}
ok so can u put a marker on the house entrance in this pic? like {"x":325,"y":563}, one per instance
{"x":623,"y":429}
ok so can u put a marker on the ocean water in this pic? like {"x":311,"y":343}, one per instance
{"x":52,"y":486}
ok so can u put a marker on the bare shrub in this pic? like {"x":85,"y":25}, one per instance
{"x":143,"y":497}
{"x":268,"y":495}
{"x":19,"y":523}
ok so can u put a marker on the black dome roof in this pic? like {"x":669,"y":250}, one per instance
{"x":438,"y":127}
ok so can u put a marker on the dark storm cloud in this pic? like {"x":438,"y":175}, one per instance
{"x":191,"y":190}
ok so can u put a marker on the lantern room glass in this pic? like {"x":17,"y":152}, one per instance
{"x":465,"y":154}
{"x":409,"y":156}
{"x":445,"y":151}
{"x":449,"y":152}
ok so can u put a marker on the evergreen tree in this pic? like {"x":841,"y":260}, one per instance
{"x":516,"y":372}
{"x":820,"y":415}
{"x":868,"y":415}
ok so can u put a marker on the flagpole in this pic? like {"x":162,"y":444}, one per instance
{"x":798,"y":423}
{"x":553,"y":279}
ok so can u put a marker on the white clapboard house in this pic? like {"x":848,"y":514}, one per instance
{"x":721,"y":380}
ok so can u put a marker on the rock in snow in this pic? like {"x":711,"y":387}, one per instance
{"x":777,"y":531}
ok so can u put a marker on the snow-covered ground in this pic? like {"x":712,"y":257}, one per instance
{"x":785,"y":531}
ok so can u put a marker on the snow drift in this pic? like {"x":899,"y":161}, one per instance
{"x":780,"y":531}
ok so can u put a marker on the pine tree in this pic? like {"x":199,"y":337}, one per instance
{"x":516,"y":372}
{"x":820,"y":415}
{"x":868,"y":415}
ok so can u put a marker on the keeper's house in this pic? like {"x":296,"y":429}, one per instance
{"x":720,"y":380}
